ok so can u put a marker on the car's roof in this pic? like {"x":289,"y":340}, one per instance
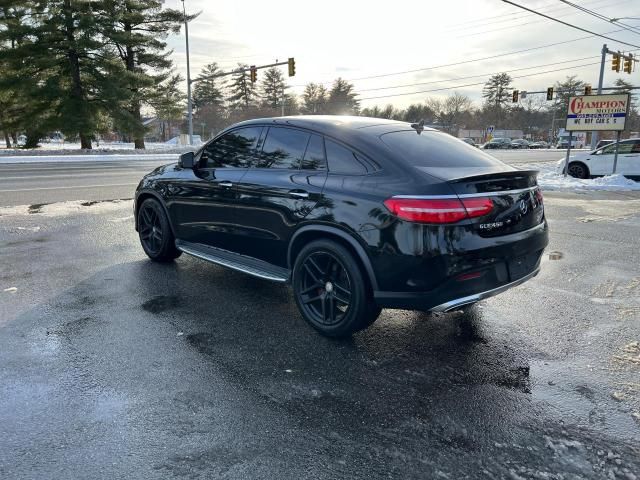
{"x":336,"y":124}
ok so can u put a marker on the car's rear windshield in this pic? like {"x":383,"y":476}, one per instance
{"x":436,"y":149}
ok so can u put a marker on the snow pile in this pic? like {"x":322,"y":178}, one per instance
{"x":550,"y":180}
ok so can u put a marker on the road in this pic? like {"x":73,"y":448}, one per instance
{"x":37,"y":183}
{"x":93,"y":180}
{"x":112,"y":366}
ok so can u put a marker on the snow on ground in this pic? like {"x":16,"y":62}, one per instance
{"x":550,"y":180}
{"x":93,"y":157}
{"x":59,"y":149}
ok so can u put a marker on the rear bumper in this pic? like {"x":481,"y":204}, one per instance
{"x":462,"y":301}
{"x":448,"y":298}
{"x":471,"y":276}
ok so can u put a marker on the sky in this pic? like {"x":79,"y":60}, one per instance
{"x":353,"y":39}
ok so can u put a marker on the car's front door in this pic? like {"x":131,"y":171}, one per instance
{"x":601,"y":161}
{"x":279,"y":191}
{"x":203,"y":208}
{"x":630,"y":162}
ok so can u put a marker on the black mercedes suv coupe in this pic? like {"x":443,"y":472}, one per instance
{"x":357,"y":214}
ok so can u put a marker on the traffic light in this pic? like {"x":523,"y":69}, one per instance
{"x":587,"y":89}
{"x":628,"y":63}
{"x":514,"y":96}
{"x":615,"y":62}
{"x":292,"y":67}
{"x":550,"y":93}
{"x":253,"y":73}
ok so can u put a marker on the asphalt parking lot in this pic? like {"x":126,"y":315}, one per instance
{"x":115,"y":367}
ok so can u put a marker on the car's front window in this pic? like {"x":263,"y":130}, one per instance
{"x":233,"y":149}
{"x":624,"y":148}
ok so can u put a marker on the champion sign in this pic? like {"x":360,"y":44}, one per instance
{"x":597,"y":112}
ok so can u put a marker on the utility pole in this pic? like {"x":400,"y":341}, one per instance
{"x":189,"y":100}
{"x":605,"y":50}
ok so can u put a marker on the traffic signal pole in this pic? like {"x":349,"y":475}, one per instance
{"x":189,"y":99}
{"x":595,"y":135}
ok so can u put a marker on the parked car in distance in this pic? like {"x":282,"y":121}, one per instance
{"x":539,"y":144}
{"x":564,"y":143}
{"x":498,"y":143}
{"x":356,"y":213}
{"x":519,"y":143}
{"x":599,"y":162}
{"x":470,"y":141}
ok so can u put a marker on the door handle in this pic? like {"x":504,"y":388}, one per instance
{"x":225,"y":184}
{"x":298,"y":194}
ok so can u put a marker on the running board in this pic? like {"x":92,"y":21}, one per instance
{"x":252,"y":266}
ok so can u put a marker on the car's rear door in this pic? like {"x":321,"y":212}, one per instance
{"x":280,"y":189}
{"x":203,"y":207}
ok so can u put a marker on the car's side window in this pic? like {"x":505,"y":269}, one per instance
{"x":314,"y":158}
{"x":283,"y":148}
{"x":624,"y":148}
{"x":233,"y":150}
{"x":636,"y":147}
{"x":343,"y":161}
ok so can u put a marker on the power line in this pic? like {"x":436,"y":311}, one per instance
{"x":479,"y":75}
{"x":517,"y":15}
{"x":462,"y":62}
{"x":601,"y":17}
{"x":526,"y":23}
{"x":569,"y":24}
{"x":477,"y":83}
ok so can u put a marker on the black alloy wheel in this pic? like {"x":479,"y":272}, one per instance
{"x":578,"y":170}
{"x":155,"y":232}
{"x":330,"y":290}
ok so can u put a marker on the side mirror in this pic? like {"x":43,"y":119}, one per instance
{"x":187,"y":160}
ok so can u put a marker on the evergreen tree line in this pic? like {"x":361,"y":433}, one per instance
{"x":85,"y":67}
{"x":224,"y":100}
{"x":219,"y":101}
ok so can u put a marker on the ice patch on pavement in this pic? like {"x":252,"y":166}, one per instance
{"x":65,"y":208}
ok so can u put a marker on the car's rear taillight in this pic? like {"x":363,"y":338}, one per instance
{"x":538,"y":194}
{"x":438,"y":210}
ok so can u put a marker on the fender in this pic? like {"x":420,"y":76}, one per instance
{"x":158,"y":197}
{"x":362,"y":254}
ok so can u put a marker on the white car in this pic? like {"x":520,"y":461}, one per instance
{"x":599,"y":162}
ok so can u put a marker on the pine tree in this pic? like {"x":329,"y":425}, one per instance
{"x":570,"y":87}
{"x":496,"y":93}
{"x":242,"y":93}
{"x":137,"y":30}
{"x":272,"y":87}
{"x":342,"y":98}
{"x":209,"y":91}
{"x":168,"y":103}
{"x":314,"y":98}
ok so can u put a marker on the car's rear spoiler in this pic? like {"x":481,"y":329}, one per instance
{"x":511,"y":174}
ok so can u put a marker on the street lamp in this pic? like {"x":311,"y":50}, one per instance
{"x":189,"y":103}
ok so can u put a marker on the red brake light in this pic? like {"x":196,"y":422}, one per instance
{"x":444,"y":210}
{"x":539,"y":197}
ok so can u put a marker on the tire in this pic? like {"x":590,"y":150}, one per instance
{"x":331,"y":292}
{"x":155,"y":233}
{"x":578,"y":170}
